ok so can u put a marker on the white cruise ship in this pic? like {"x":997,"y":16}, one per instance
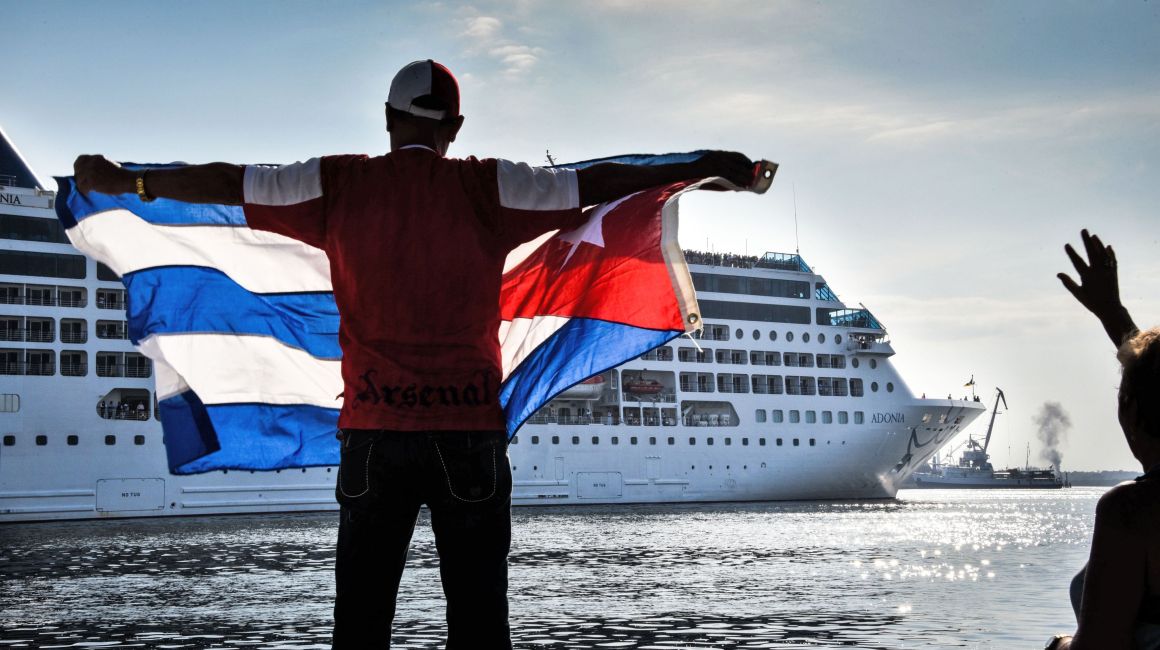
{"x":787,"y":394}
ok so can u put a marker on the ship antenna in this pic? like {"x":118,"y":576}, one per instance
{"x":796,"y":242}
{"x":548,"y":155}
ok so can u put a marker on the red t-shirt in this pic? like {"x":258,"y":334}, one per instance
{"x":417,"y":244}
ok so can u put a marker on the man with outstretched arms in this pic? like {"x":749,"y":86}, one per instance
{"x":416,"y":243}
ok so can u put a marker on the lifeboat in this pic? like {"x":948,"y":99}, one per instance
{"x":589,"y":389}
{"x":643,"y":386}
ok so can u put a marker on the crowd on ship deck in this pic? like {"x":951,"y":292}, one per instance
{"x":721,"y":259}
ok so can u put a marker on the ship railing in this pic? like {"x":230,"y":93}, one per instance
{"x":43,"y":369}
{"x":667,"y":396}
{"x":110,"y":370}
{"x":110,"y":304}
{"x":11,"y":299}
{"x":860,"y":318}
{"x":38,"y":368}
{"x":783,"y":262}
{"x":703,"y":420}
{"x":47,"y":301}
{"x":14,"y":334}
{"x":112,"y":333}
{"x":74,"y":369}
{"x":139,"y":372}
{"x":72,"y":302}
{"x":39,"y":336}
{"x":74,"y":337}
{"x":117,"y":413}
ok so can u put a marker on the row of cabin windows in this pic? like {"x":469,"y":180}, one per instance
{"x":756,"y":358}
{"x":703,"y":382}
{"x":671,"y":440}
{"x":43,"y":330}
{"x":74,"y":363}
{"x":721,"y":332}
{"x":71,"y":440}
{"x":59,"y":296}
{"x":795,"y":416}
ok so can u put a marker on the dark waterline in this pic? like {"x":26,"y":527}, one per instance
{"x":929,"y":570}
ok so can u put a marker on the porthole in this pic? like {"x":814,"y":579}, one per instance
{"x":756,"y":335}
{"x":41,"y":440}
{"x":535,"y":468}
{"x":72,"y":440}
{"x":889,"y":387}
{"x":515,"y":440}
{"x":535,"y":440}
{"x":789,"y":336}
{"x":9,"y":441}
{"x":873,"y":364}
{"x":821,"y":338}
{"x":692,"y":441}
{"x":874,"y":386}
{"x":837,"y":339}
{"x":854,"y":362}
{"x":555,"y":440}
{"x":140,"y":440}
{"x":738,"y":334}
{"x":805,"y":337}
{"x":596,"y":440}
{"x":575,"y":440}
{"x":110,"y":440}
{"x":772,"y":335}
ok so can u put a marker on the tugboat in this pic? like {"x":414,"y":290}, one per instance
{"x":974,"y":469}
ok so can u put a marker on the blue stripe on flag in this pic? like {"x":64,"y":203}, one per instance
{"x":179,"y":299}
{"x":186,"y":429}
{"x":567,"y":358}
{"x":639,"y":159}
{"x":246,"y":436}
{"x":72,"y":206}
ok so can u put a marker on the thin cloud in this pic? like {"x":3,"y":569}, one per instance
{"x":485,"y":37}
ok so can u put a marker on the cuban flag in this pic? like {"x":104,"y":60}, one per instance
{"x":241,"y":325}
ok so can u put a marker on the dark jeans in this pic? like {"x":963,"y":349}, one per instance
{"x":466,"y":481}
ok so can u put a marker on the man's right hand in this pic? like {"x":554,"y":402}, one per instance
{"x":734,"y":167}
{"x":95,"y":173}
{"x":1098,"y":288}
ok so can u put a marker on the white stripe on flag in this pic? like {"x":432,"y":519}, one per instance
{"x":229,"y":369}
{"x":520,"y":337}
{"x":168,"y":382}
{"x":262,"y":262}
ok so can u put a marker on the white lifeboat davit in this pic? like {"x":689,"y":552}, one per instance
{"x":589,"y":389}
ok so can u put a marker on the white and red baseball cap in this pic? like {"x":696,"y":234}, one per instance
{"x":422,"y":79}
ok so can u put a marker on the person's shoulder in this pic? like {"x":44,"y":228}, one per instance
{"x":1130,"y":503}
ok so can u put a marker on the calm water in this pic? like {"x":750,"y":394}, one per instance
{"x":933,"y":569}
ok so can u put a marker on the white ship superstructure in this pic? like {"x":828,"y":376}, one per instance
{"x":785,"y":394}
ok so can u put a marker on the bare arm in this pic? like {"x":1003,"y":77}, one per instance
{"x":1098,"y":288}
{"x":611,"y":181}
{"x":219,"y":183}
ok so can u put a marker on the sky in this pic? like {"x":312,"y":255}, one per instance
{"x":937,"y":155}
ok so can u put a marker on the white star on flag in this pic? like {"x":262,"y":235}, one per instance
{"x":592,"y":231}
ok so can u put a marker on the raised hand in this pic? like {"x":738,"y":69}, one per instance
{"x":95,"y":173}
{"x":734,"y":167}
{"x":1098,"y":288}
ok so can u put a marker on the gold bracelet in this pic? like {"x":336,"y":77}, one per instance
{"x":141,"y":193}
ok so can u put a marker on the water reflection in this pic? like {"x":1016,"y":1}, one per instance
{"x":932,"y":569}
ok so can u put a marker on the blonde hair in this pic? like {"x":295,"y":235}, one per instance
{"x":1140,"y":357}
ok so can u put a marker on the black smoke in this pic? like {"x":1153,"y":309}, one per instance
{"x":1053,"y":423}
